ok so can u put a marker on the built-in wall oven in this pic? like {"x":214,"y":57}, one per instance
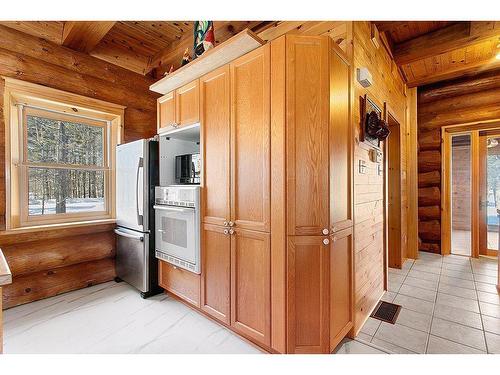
{"x":177,"y":226}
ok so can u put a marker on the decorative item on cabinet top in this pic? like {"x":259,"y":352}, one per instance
{"x":240,"y":44}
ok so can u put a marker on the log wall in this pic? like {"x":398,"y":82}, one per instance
{"x":50,"y":262}
{"x":466,"y":100}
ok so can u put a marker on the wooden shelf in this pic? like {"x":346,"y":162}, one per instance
{"x":237,"y":46}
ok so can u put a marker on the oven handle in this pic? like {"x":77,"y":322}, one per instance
{"x":168,"y":208}
{"x":128,"y":235}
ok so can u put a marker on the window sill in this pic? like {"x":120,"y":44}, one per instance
{"x":46,"y":227}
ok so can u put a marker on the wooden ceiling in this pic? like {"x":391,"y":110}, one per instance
{"x":145,"y":47}
{"x":428,"y":52}
{"x":424,"y":51}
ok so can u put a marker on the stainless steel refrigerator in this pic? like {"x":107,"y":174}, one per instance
{"x":136,"y":178}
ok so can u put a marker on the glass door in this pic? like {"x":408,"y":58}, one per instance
{"x":489,"y":192}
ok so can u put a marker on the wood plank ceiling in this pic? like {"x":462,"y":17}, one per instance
{"x":144,"y":47}
{"x":424,"y":51}
{"x":428,"y":52}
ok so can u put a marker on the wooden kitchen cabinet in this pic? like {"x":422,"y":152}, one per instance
{"x":216,"y":272}
{"x":179,"y":108}
{"x":341,"y":145}
{"x":251,"y":284}
{"x":184,"y":284}
{"x":166,"y":111}
{"x":307,"y":102}
{"x":307,"y":294}
{"x":187,"y":104}
{"x":341,"y":285}
{"x":250,"y":140}
{"x":215,"y":137}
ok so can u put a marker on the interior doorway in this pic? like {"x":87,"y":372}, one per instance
{"x":471,"y":191}
{"x":396,"y":203}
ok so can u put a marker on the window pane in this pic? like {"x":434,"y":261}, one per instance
{"x":52,"y":141}
{"x":54,"y":191}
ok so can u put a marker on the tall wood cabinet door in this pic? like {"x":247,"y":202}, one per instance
{"x":307,"y":299}
{"x":251,"y":284}
{"x":341,"y":286}
{"x":215,"y":272}
{"x":250,"y":140}
{"x":187,"y":104}
{"x":307,"y":102}
{"x":340,"y":144}
{"x":215,"y":127}
{"x":166,"y":111}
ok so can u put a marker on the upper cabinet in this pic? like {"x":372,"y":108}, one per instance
{"x":250,"y":140}
{"x":179,"y":108}
{"x":166,"y":111}
{"x":307,"y":124}
{"x":215,"y":138}
{"x":341,"y":146}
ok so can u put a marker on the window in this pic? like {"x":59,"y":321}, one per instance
{"x":61,"y":159}
{"x":65,"y":166}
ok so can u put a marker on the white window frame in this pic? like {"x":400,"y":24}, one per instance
{"x":23,"y":98}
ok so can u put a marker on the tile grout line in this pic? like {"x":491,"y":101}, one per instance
{"x":479,"y":306}
{"x":433,"y":309}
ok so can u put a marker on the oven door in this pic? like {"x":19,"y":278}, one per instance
{"x":176,"y":234}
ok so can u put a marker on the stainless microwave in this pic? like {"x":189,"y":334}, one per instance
{"x":188,"y":168}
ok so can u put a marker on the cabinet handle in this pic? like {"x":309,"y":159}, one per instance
{"x":326,"y":241}
{"x":231,"y":224}
{"x":231,"y":231}
{"x":325,"y":231}
{"x":225,"y":223}
{"x":226,"y":231}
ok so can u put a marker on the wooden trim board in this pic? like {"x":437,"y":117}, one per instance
{"x":231,"y":49}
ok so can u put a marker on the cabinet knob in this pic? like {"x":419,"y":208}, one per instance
{"x":231,"y":231}
{"x":231,"y":224}
{"x":225,"y":223}
{"x":325,"y":231}
{"x":226,"y":231}
{"x":326,"y":241}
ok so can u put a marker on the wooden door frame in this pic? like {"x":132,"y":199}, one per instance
{"x":482,"y":186}
{"x":446,"y":133}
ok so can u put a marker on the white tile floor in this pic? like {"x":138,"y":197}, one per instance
{"x":450,"y":305}
{"x":113,"y":318}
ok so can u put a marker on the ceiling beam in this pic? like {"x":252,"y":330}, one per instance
{"x":453,"y":37}
{"x":84,"y":36}
{"x":477,"y":67}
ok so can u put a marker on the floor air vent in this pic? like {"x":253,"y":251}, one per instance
{"x":386,"y":312}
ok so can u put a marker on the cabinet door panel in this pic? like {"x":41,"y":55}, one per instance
{"x":215,"y":272}
{"x":166,"y":111}
{"x":340,"y":144}
{"x":187,"y":104}
{"x":251,"y":284}
{"x":215,"y":126}
{"x":340,"y":286}
{"x":182,"y":283}
{"x":307,"y":86}
{"x":307,"y":288}
{"x":250,"y":140}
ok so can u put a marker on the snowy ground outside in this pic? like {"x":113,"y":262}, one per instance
{"x":72,"y":205}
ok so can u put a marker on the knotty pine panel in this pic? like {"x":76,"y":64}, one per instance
{"x":388,"y":87}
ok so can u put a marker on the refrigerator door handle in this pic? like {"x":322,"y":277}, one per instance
{"x":140,"y":165}
{"x":128,"y":235}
